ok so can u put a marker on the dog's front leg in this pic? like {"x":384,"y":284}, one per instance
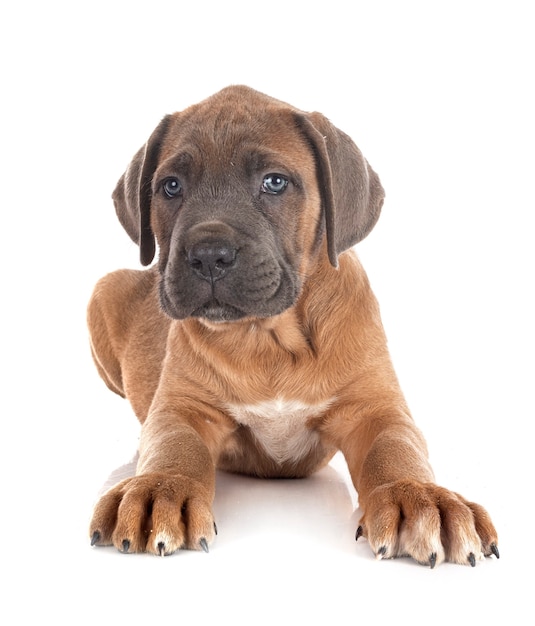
{"x":405,"y":512}
{"x":168,"y":504}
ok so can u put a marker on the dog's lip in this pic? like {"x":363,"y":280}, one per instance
{"x":216,"y":312}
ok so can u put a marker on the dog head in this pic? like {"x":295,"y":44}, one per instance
{"x":240,"y":192}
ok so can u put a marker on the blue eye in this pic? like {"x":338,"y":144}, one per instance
{"x":172,"y":187}
{"x":274,"y":183}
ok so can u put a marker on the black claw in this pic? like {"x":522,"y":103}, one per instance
{"x":433,"y":560}
{"x":161,"y":548}
{"x":359,"y":533}
{"x":494,"y":550}
{"x":95,"y":538}
{"x":381,"y":551}
{"x":126,"y":545}
{"x":204,"y":544}
{"x":472,"y":559}
{"x":215,"y":528}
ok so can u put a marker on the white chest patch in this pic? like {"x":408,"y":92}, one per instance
{"x":280,"y":426}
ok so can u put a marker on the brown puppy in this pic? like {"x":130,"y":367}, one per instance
{"x":255,"y":343}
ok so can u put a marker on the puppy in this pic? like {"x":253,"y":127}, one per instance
{"x":254,"y":344}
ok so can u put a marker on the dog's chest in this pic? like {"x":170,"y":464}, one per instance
{"x":280,"y":426}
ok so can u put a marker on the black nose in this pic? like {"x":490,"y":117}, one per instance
{"x":211,"y":260}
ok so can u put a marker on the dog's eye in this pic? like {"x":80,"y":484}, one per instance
{"x":274,"y":183}
{"x":172,"y":187}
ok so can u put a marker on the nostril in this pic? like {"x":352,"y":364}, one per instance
{"x":201,"y":254}
{"x":225,"y":256}
{"x":211,"y":260}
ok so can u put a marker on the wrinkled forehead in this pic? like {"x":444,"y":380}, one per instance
{"x":226,"y":131}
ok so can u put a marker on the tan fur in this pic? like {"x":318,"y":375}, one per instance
{"x":268,"y":396}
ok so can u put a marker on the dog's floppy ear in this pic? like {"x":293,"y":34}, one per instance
{"x":351,"y":192}
{"x":132,"y":195}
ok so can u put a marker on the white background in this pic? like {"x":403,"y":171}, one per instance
{"x":439,"y":97}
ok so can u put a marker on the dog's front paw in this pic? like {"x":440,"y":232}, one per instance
{"x":157,"y":513}
{"x":428,"y":523}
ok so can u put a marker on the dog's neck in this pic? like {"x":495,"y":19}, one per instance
{"x":284,"y":332}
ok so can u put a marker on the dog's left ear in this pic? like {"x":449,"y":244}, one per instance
{"x":132,"y":195}
{"x":351,"y":191}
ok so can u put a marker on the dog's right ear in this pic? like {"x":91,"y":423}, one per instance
{"x":132,"y":195}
